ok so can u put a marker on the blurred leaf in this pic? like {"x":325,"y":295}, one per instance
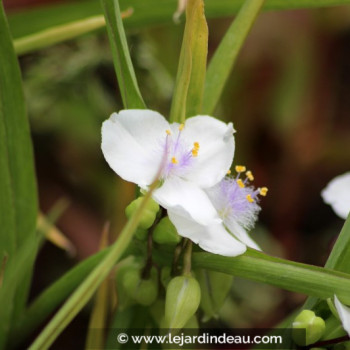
{"x":122,"y":62}
{"x":338,"y":260}
{"x":150,"y":13}
{"x":18,"y":199}
{"x":56,"y":34}
{"x":99,"y":314}
{"x":54,"y":235}
{"x":79,"y":298}
{"x":226,"y":54}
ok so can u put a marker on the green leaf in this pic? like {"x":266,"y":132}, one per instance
{"x":87,"y":288}
{"x":307,"y":279}
{"x":32,"y":24}
{"x":199,"y":49}
{"x":226,"y":54}
{"x":57,"y":34}
{"x":338,"y":260}
{"x":18,"y":199}
{"x":122,"y":62}
{"x":189,"y":84}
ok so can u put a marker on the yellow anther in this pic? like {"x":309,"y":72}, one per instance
{"x":196,"y":145}
{"x":181,"y":127}
{"x":240,"y":183}
{"x":249,"y":175}
{"x":228,"y":172}
{"x":240,"y":168}
{"x":250,"y":199}
{"x":174,"y":160}
{"x":168,"y":132}
{"x":195,"y":152}
{"x":263,"y":191}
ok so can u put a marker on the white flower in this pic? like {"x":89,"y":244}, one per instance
{"x":236,"y":204}
{"x":191,"y":157}
{"x":344,"y":314}
{"x":337,"y":194}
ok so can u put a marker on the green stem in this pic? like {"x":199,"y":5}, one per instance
{"x":187,"y":259}
{"x":86,"y":290}
{"x":226,"y":54}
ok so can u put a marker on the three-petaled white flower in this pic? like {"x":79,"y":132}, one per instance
{"x":337,"y":194}
{"x":236,"y":202}
{"x":192,"y":160}
{"x":344,"y":314}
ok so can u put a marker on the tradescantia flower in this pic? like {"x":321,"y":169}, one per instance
{"x":138,"y":144}
{"x":236,"y":203}
{"x":344,"y":314}
{"x":337,"y":194}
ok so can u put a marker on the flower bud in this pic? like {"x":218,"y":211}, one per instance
{"x":141,"y":234}
{"x":165,"y":232}
{"x":182,"y":299}
{"x":143,"y":291}
{"x":314,"y":328}
{"x":165,"y":276}
{"x":149,"y":214}
{"x":215,"y":287}
{"x":124,"y":297}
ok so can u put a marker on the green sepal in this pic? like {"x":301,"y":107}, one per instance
{"x":148,"y":215}
{"x":215,"y":287}
{"x":165,"y":232}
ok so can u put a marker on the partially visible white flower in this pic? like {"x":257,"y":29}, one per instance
{"x":344,"y":314}
{"x":237,"y":205}
{"x":337,"y":194}
{"x":191,"y":157}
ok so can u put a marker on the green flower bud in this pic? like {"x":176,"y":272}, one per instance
{"x":165,"y":232}
{"x":314,"y":328}
{"x":165,"y":276}
{"x":124,"y":297}
{"x":141,"y":234}
{"x":192,"y":323}
{"x":144,"y":292}
{"x":215,"y":287}
{"x":149,"y":214}
{"x":182,"y":299}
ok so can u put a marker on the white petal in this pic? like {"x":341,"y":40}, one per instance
{"x":240,"y":233}
{"x":212,"y":238}
{"x":216,"y":150}
{"x":344,"y":314}
{"x":337,"y":194}
{"x":186,"y":199}
{"x":133,"y":144}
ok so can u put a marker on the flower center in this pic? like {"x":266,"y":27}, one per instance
{"x":180,"y":153}
{"x":235,"y":199}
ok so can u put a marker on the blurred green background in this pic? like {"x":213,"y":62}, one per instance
{"x":289,"y":100}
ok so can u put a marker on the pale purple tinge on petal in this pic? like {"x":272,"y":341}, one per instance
{"x":337,"y":194}
{"x":186,"y":199}
{"x":133,"y":144}
{"x":216,"y":149}
{"x":212,"y":238}
{"x":344,"y":314}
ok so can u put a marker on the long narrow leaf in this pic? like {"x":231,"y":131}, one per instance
{"x":339,"y":259}
{"x":226,"y":54}
{"x":18,"y":199}
{"x":88,"y":287}
{"x":122,"y":62}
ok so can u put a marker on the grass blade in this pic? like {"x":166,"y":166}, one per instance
{"x":18,"y":199}
{"x":226,"y":54}
{"x":122,"y":62}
